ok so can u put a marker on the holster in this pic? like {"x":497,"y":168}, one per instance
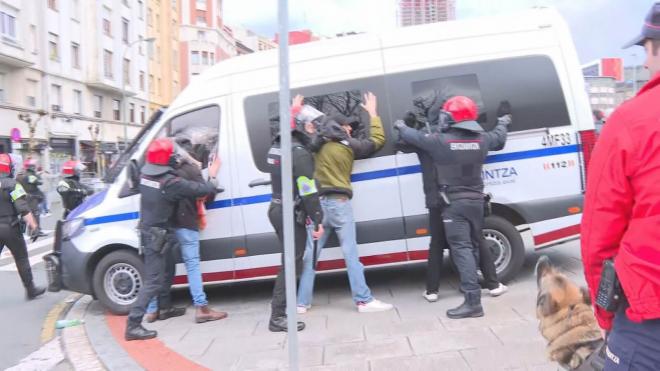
{"x":488,"y":207}
{"x":157,"y":239}
{"x":610,"y":294}
{"x":299,"y":212}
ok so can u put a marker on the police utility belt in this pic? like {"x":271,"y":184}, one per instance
{"x":161,"y":240}
{"x":300,"y":214}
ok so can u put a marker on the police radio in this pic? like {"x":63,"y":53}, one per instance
{"x":609,"y":295}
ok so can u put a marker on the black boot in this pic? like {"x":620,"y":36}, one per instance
{"x":279,"y":324}
{"x":137,"y":332}
{"x":171,"y":312}
{"x":32,"y":291}
{"x":471,"y":307}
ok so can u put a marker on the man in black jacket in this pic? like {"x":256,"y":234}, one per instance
{"x":458,"y":152}
{"x":73,"y":192}
{"x":187,"y":227}
{"x":160,"y":191}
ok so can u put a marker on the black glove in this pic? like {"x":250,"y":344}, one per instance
{"x":398,"y":124}
{"x":410,"y":120}
{"x":504,"y":108}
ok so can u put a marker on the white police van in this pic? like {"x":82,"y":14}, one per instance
{"x":537,"y":180}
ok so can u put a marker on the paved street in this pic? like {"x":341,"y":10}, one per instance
{"x":23,"y":320}
{"x":415,"y":336}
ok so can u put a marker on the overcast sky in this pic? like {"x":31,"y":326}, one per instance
{"x":599,"y":27}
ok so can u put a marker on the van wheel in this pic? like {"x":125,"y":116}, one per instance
{"x":117,"y":280}
{"x":506,"y":245}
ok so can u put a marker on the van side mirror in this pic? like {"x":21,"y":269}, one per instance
{"x":219,"y":189}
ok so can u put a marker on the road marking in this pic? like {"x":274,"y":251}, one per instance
{"x":8,"y":265}
{"x":44,"y":358}
{"x":48,"y":328}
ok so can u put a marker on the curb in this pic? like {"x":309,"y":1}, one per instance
{"x":77,"y":348}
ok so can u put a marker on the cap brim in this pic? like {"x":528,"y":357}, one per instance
{"x":469,"y":125}
{"x":639,"y":40}
{"x":153,"y":169}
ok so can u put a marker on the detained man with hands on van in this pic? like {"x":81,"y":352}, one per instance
{"x":458,"y":152}
{"x":334,"y":164}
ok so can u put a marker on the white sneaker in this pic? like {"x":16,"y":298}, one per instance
{"x":302,"y":309}
{"x":430,"y":296}
{"x":374,"y":306}
{"x":501,"y":289}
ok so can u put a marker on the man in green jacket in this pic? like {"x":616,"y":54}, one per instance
{"x":334,"y":165}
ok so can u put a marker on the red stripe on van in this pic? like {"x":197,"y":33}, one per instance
{"x":556,"y":235}
{"x":419,"y":255}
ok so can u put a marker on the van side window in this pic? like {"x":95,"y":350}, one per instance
{"x":197,"y":132}
{"x":345,"y":97}
{"x":530,"y":83}
{"x":435,"y":92}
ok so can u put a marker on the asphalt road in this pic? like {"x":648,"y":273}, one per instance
{"x":22,"y":319}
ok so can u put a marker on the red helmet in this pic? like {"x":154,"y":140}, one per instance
{"x":5,"y":164}
{"x":30,"y":164}
{"x":160,"y":151}
{"x":71,"y":168}
{"x":461,"y":108}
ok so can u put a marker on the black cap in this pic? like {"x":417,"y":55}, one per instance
{"x":650,"y":29}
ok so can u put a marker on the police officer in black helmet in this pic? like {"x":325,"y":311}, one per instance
{"x":13,"y":205}
{"x":160,"y":191}
{"x":307,"y":209}
{"x":459,"y":152}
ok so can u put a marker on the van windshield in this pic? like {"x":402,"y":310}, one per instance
{"x":121,"y":162}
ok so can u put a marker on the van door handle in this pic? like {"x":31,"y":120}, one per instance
{"x":259,"y":182}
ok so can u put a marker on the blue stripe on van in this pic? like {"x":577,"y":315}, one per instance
{"x":369,"y":175}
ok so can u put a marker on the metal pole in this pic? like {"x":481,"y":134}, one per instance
{"x":122,"y":104}
{"x":287,"y":186}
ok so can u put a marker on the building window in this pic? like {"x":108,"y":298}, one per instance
{"x":75,"y":55}
{"x":160,"y":86}
{"x":53,"y":49}
{"x":131,"y":112}
{"x":127,"y":71}
{"x":125,"y":2}
{"x":175,"y":60}
{"x":212,"y":58}
{"x":174,"y":4}
{"x":201,"y":35}
{"x":141,"y":9}
{"x":149,"y":17}
{"x":140,"y":48}
{"x":8,"y":25}
{"x":75,"y":10}
{"x":142,"y":80}
{"x":157,"y":20}
{"x":31,"y":96}
{"x":98,"y":106}
{"x":77,"y":102}
{"x":107,"y":30}
{"x":143,"y":114}
{"x":205,"y":58}
{"x":56,"y":97}
{"x":151,"y":84}
{"x":107,"y":63}
{"x":194,"y":58}
{"x":52,"y":4}
{"x":125,"y":26}
{"x":201,"y":20}
{"x":33,"y":39}
{"x":116,"y":110}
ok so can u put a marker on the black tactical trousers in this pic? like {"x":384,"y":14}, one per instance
{"x":157,"y":279}
{"x":278,"y":304}
{"x":12,"y":237}
{"x":463,"y":221}
{"x":436,"y":249}
{"x":487,"y":265}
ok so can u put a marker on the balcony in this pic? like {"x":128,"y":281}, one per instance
{"x":13,"y":55}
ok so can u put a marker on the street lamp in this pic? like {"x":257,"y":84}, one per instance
{"x":122,"y":107}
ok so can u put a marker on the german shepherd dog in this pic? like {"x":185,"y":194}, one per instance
{"x":566,"y":320}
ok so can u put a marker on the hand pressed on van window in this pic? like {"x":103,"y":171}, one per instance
{"x":214,"y":167}
{"x":370,"y":104}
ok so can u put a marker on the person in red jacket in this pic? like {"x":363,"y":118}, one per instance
{"x":621,"y":219}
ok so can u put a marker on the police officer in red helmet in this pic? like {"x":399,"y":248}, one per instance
{"x":458,"y":152}
{"x":73,"y":192}
{"x":14,"y":205}
{"x":160,"y":191}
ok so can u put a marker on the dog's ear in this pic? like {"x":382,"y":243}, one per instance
{"x":543,"y":266}
{"x":546,"y":305}
{"x":585,"y":295}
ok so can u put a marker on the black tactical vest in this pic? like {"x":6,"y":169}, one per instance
{"x":274,"y":160}
{"x":155,"y":209}
{"x":462,"y":160}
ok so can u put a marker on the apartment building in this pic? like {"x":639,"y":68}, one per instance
{"x":164,"y":60}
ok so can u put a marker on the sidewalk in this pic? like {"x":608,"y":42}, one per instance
{"x":415,"y":336}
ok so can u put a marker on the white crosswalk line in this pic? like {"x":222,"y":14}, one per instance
{"x":34,"y":259}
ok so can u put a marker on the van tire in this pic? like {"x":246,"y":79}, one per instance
{"x":117,"y":280}
{"x":509,"y":251}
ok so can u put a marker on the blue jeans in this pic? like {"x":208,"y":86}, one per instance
{"x":189,"y":240}
{"x":338,"y":217}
